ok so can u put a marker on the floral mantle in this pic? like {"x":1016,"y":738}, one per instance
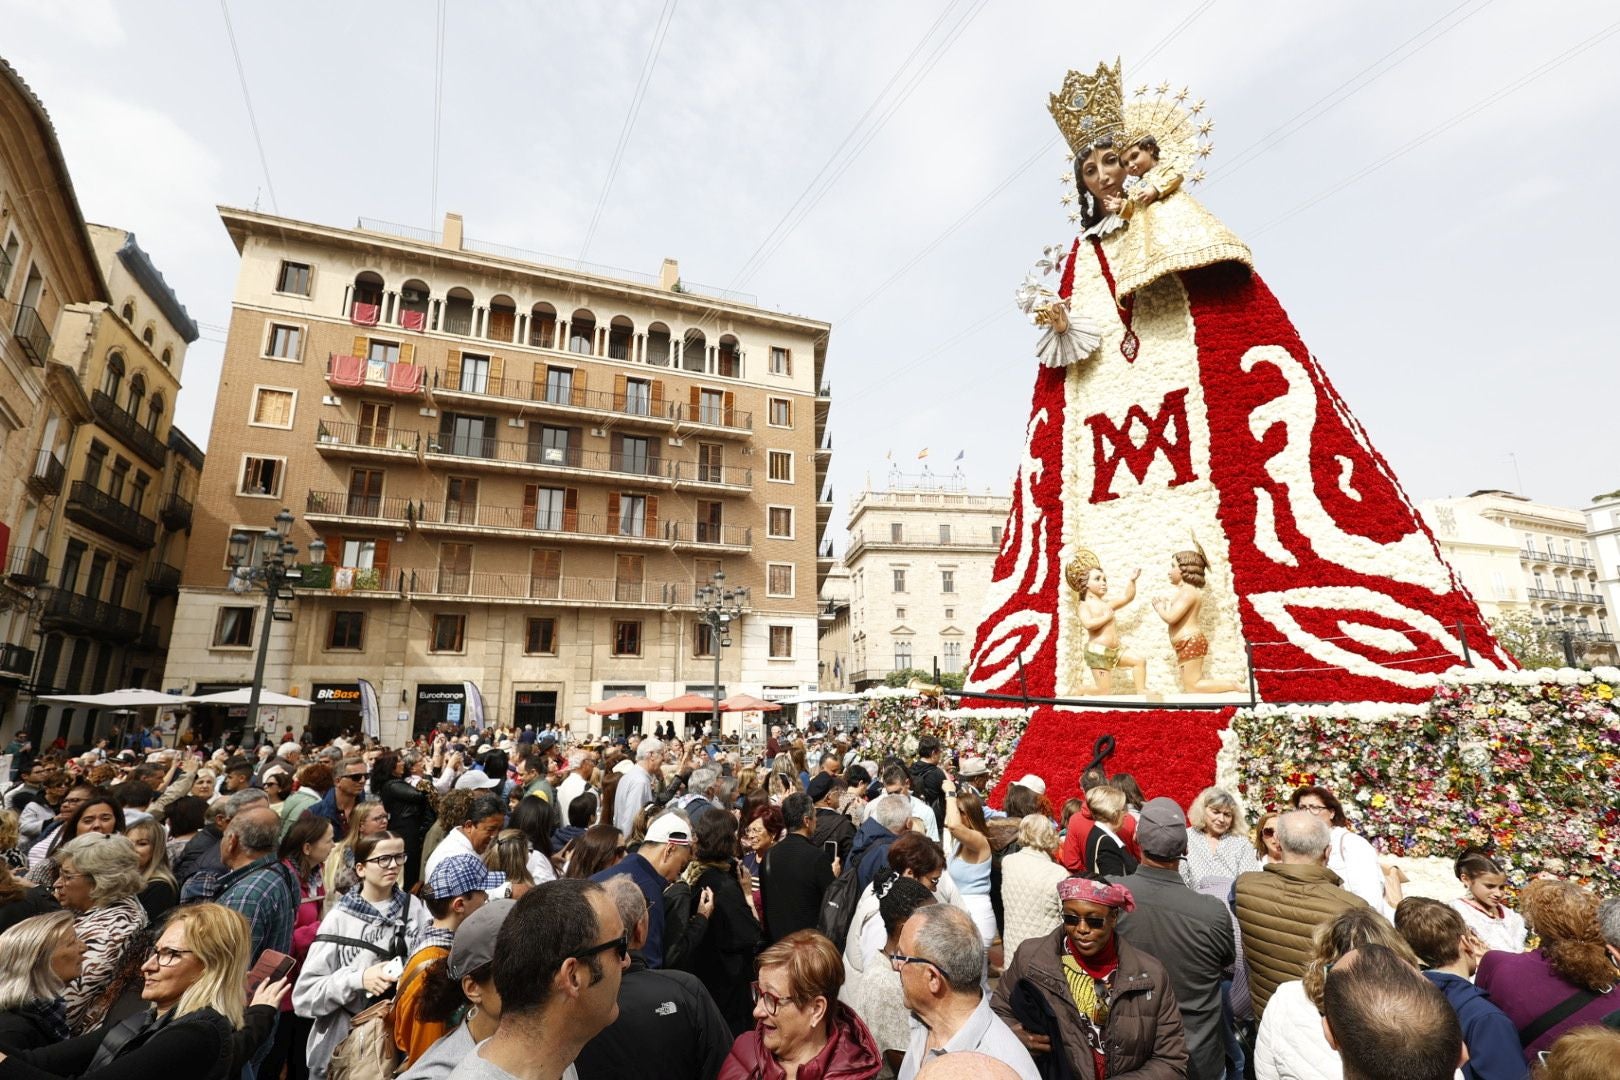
{"x":1525,"y":763}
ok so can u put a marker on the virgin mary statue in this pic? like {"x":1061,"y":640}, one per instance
{"x":1176,"y":408}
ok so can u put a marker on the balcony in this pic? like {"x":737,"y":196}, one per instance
{"x":860,"y":542}
{"x":338,"y":439}
{"x":32,"y":335}
{"x":352,"y":579}
{"x":112,"y":417}
{"x":175,"y":512}
{"x":578,"y":401}
{"x":77,"y":614}
{"x":707,"y":534}
{"x":27,"y":568}
{"x":95,"y":509}
{"x":164,"y":580}
{"x":1571,"y":596}
{"x":517,"y":587}
{"x":530,"y":457}
{"x":341,"y":507}
{"x":699,"y":474}
{"x":1552,"y":558}
{"x":48,"y":474}
{"x":359,"y":373}
{"x":16,"y":660}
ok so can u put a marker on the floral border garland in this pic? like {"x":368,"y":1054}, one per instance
{"x":1526,"y":763}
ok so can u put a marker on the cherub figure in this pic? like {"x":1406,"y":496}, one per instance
{"x":1103,"y":651}
{"x":1153,"y":183}
{"x":1180,"y":610}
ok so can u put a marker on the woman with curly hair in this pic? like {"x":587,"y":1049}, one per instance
{"x":1565,"y":984}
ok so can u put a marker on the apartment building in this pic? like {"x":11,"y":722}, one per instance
{"x":91,"y":345}
{"x":919,"y":560}
{"x":522,"y":470}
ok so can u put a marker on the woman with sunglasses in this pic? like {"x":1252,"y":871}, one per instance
{"x":1351,"y":856}
{"x":800,"y":1026}
{"x":197,"y":1027}
{"x":1267,"y":848}
{"x":352,"y":961}
{"x":1115,"y":1012}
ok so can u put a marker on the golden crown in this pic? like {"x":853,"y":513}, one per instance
{"x":1090,"y":107}
{"x":1080,"y":564}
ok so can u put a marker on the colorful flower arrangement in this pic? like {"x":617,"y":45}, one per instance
{"x":1526,"y":764}
{"x":893,"y":724}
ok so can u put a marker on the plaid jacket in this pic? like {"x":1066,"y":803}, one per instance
{"x":266,"y":893}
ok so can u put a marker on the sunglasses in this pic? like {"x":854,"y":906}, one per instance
{"x":1093,"y":922}
{"x":620,"y":945}
{"x":1268,"y":832}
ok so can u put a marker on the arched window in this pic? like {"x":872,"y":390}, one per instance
{"x":137,"y":394}
{"x":113,"y":380}
{"x":129,"y":311}
{"x":729,"y":357}
{"x":458,"y":311}
{"x":692,"y":353}
{"x":147,"y":335}
{"x":582,"y":333}
{"x":414,"y":296}
{"x":368,"y":287}
{"x":543,"y":326}
{"x":621,"y":332}
{"x":168,"y":358}
{"x":154,"y":413}
{"x":658,"y":344}
{"x":502,"y":324}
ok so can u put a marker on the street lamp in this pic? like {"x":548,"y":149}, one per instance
{"x":276,"y":567}
{"x":720,"y":608}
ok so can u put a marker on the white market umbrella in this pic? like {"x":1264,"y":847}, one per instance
{"x":131,"y":698}
{"x":243,"y":695}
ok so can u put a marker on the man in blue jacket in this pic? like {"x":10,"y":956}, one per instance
{"x":1450,"y":952}
{"x":886,"y":819}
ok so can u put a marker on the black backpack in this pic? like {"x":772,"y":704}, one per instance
{"x":838,"y":903}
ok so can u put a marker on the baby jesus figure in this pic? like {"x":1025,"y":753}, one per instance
{"x":1104,"y":652}
{"x":1181,"y":611}
{"x":1153,"y":183}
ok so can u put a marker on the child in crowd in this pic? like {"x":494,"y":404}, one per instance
{"x":1483,"y":907}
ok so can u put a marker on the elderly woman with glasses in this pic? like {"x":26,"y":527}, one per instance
{"x":195,"y":981}
{"x":1217,"y":849}
{"x":800,"y":1026}
{"x":1351,"y":856}
{"x":99,"y":879}
{"x":1115,"y":1012}
{"x":351,"y":963}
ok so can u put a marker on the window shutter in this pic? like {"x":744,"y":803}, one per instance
{"x":730,"y":403}
{"x":619,"y":383}
{"x":697,"y":396}
{"x":658,"y":397}
{"x":496,"y":367}
{"x":652,"y":516}
{"x":362,"y":345}
{"x":379,"y":558}
{"x":531,"y":504}
{"x":578,"y":397}
{"x":452,"y":370}
{"x":613,"y":513}
{"x":571,"y":509}
{"x":538,"y":382}
{"x":407,"y":353}
{"x":334,"y":549}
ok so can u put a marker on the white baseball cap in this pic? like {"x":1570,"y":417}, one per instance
{"x":475,"y":780}
{"x":1033,"y":782}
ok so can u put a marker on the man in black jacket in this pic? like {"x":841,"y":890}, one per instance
{"x":832,"y":825}
{"x":662,"y":1012}
{"x":795,"y":873}
{"x":927,"y":778}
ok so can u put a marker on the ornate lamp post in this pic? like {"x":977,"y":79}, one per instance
{"x":277,"y":565}
{"x":720,"y":608}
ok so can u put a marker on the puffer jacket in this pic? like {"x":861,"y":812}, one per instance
{"x":1143,"y":1038}
{"x":850,"y":1054}
{"x":329,"y":989}
{"x":1291,"y":1044}
{"x":1279,"y":908}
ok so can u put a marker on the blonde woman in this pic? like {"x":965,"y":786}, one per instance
{"x":195,"y":979}
{"x":11,"y":841}
{"x":38,"y":958}
{"x":98,"y":878}
{"x":1105,"y":854}
{"x":161,"y":892}
{"x":1029,"y":881}
{"x":368,"y":819}
{"x":1217,"y":848}
{"x":1291,"y":1045}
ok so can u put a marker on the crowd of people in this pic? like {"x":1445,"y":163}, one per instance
{"x":540,"y":904}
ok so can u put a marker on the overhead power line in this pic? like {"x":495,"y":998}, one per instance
{"x":659,"y":31}
{"x":247,"y":99}
{"x":438,"y":109}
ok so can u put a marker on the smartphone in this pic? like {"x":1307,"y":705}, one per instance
{"x":832,"y":848}
{"x":271,"y":966}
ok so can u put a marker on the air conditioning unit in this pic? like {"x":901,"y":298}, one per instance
{"x":427,"y":412}
{"x":677,"y":442}
{"x":331,"y":399}
{"x":515,"y":421}
{"x":599,"y":432}
{"x":412,"y":296}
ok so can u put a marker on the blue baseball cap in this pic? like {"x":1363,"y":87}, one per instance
{"x":459,"y":875}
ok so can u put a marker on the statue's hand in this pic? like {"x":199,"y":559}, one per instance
{"x":1145,"y":194}
{"x":1059,"y":315}
{"x":1112,"y":203}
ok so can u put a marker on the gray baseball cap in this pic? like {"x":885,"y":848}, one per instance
{"x":1161,"y":831}
{"x":474,"y":944}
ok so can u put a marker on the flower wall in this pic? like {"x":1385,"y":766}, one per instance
{"x":1524,"y":763}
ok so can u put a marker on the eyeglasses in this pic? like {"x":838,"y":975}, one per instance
{"x":1093,"y":922}
{"x":1316,"y":808}
{"x":768,"y":999}
{"x":620,"y":945}
{"x":383,"y":860}
{"x":898,"y":961}
{"x":167,"y":957}
{"x":64,"y":876}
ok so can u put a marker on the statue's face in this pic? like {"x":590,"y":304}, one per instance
{"x":1096,"y":583}
{"x":1103,"y":173}
{"x":1175,"y":572}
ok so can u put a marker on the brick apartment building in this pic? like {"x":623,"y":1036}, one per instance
{"x":521,"y":468}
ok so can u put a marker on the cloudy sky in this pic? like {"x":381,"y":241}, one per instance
{"x":1424,"y":184}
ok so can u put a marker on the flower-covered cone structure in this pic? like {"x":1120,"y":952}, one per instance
{"x":1184,"y":429}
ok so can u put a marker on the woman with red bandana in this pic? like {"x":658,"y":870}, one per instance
{"x":1088,"y":995}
